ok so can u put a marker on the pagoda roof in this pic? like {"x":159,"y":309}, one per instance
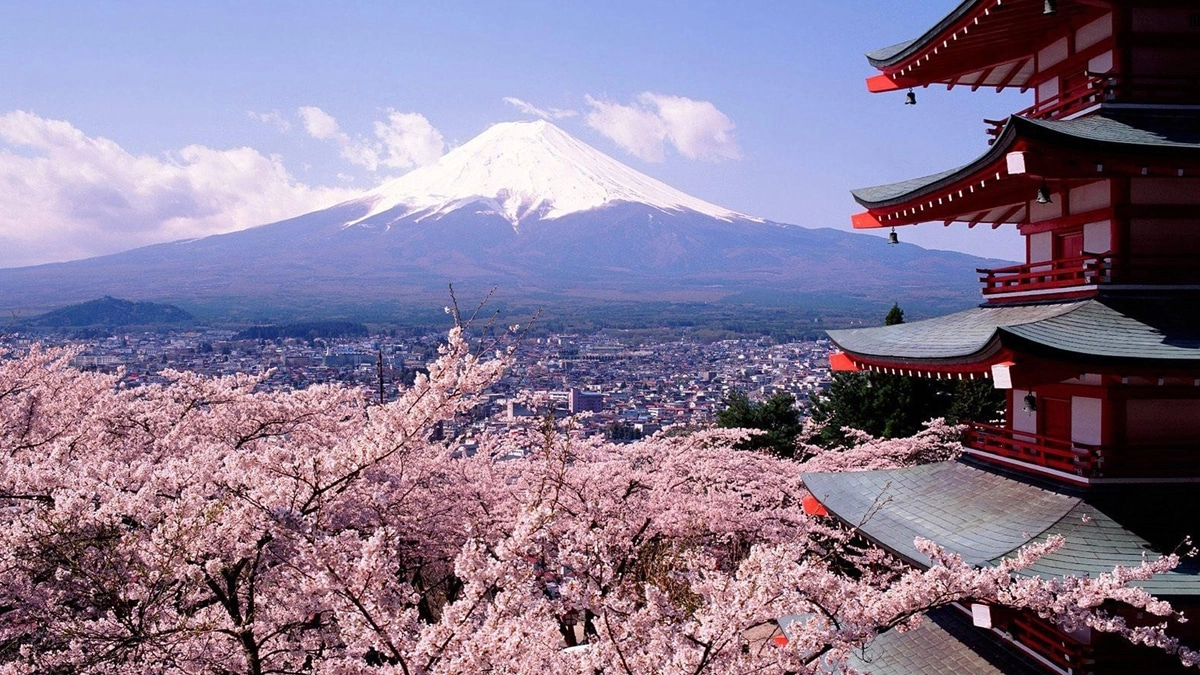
{"x":1109,"y":131}
{"x":944,"y":643}
{"x":1137,"y":130}
{"x":1118,"y":328}
{"x":985,"y":517}
{"x":996,"y":189}
{"x":979,"y":43}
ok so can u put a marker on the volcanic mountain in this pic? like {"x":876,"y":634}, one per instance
{"x":527,"y":209}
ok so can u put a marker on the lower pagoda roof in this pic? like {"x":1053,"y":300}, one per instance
{"x":986,"y":517}
{"x":1117,"y":140}
{"x":1118,"y":329}
{"x":945,"y":643}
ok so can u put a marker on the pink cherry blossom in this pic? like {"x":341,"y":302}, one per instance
{"x":205,"y":526}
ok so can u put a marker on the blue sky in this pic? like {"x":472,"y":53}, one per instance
{"x":125,"y":123}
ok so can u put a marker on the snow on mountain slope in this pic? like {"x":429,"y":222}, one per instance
{"x":526,"y":170}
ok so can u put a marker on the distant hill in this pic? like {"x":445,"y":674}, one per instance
{"x":110,"y":311}
{"x":305,"y":330}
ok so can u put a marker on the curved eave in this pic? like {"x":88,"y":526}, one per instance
{"x":911,"y":191}
{"x":967,"y":338}
{"x":1120,"y":132}
{"x":953,"y":195}
{"x":990,"y":189}
{"x":973,"y":366}
{"x":1132,"y":332}
{"x":985,"y":517}
{"x":1123,"y":363}
{"x":980,"y":43}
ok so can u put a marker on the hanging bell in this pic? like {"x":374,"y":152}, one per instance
{"x":1043,"y":195}
{"x":893,"y":238}
{"x":1049,"y":8}
{"x":910,"y":98}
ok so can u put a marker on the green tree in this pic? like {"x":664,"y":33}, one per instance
{"x":777,"y":417}
{"x":895,"y":406}
{"x":894,"y":316}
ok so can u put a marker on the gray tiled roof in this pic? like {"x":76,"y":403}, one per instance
{"x":883,"y":193}
{"x":1114,"y":130}
{"x":953,"y":336}
{"x":883,"y":55}
{"x":1095,"y":548}
{"x":977,"y":514}
{"x":1120,"y":327}
{"x":985,"y":517}
{"x":945,"y":643}
{"x":881,"y":58}
{"x":1143,"y":128}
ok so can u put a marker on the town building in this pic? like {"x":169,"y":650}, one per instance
{"x":1095,"y":337}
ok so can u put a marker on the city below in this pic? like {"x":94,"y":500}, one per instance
{"x":616,"y":388}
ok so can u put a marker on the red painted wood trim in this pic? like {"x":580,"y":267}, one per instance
{"x":880,"y":83}
{"x":839,"y":362}
{"x":865,"y":221}
{"x":1073,"y":220}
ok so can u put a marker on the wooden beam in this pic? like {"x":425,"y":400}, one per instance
{"x":1006,"y":215}
{"x":987,"y":72}
{"x":1017,"y":68}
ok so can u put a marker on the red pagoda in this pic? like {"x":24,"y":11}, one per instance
{"x":1095,"y":337}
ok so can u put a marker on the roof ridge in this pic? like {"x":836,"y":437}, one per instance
{"x":1079,"y":501}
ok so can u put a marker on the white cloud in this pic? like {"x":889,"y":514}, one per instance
{"x":644,"y":128}
{"x":272,"y":118}
{"x":66,"y":195}
{"x":402,"y":140}
{"x":546,"y":114}
{"x":640,"y":132}
{"x":320,"y":124}
{"x":408,"y":140}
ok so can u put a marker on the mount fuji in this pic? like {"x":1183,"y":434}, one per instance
{"x":524,"y":208}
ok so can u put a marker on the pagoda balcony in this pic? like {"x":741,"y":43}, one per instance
{"x":1081,"y":462}
{"x":1065,"y":275}
{"x":1083,"y":275}
{"x":1032,"y":452}
{"x":1097,"y":88}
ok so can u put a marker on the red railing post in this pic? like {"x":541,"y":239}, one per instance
{"x":1064,"y":273}
{"x":1031,"y":448}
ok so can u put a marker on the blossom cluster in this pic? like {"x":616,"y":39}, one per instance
{"x":204,"y":526}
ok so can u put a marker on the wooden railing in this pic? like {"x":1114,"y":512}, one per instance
{"x":1048,"y":275}
{"x":1068,"y":654}
{"x":1108,"y":88}
{"x":1091,"y":270}
{"x":1090,"y":92}
{"x":1043,"y":451}
{"x":1134,"y":460}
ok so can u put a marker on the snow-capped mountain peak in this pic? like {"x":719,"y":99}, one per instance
{"x":527,"y":169}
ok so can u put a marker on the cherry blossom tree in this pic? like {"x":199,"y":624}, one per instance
{"x":936,"y":442}
{"x":206,"y":526}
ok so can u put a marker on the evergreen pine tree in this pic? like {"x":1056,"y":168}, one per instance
{"x":894,"y":406}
